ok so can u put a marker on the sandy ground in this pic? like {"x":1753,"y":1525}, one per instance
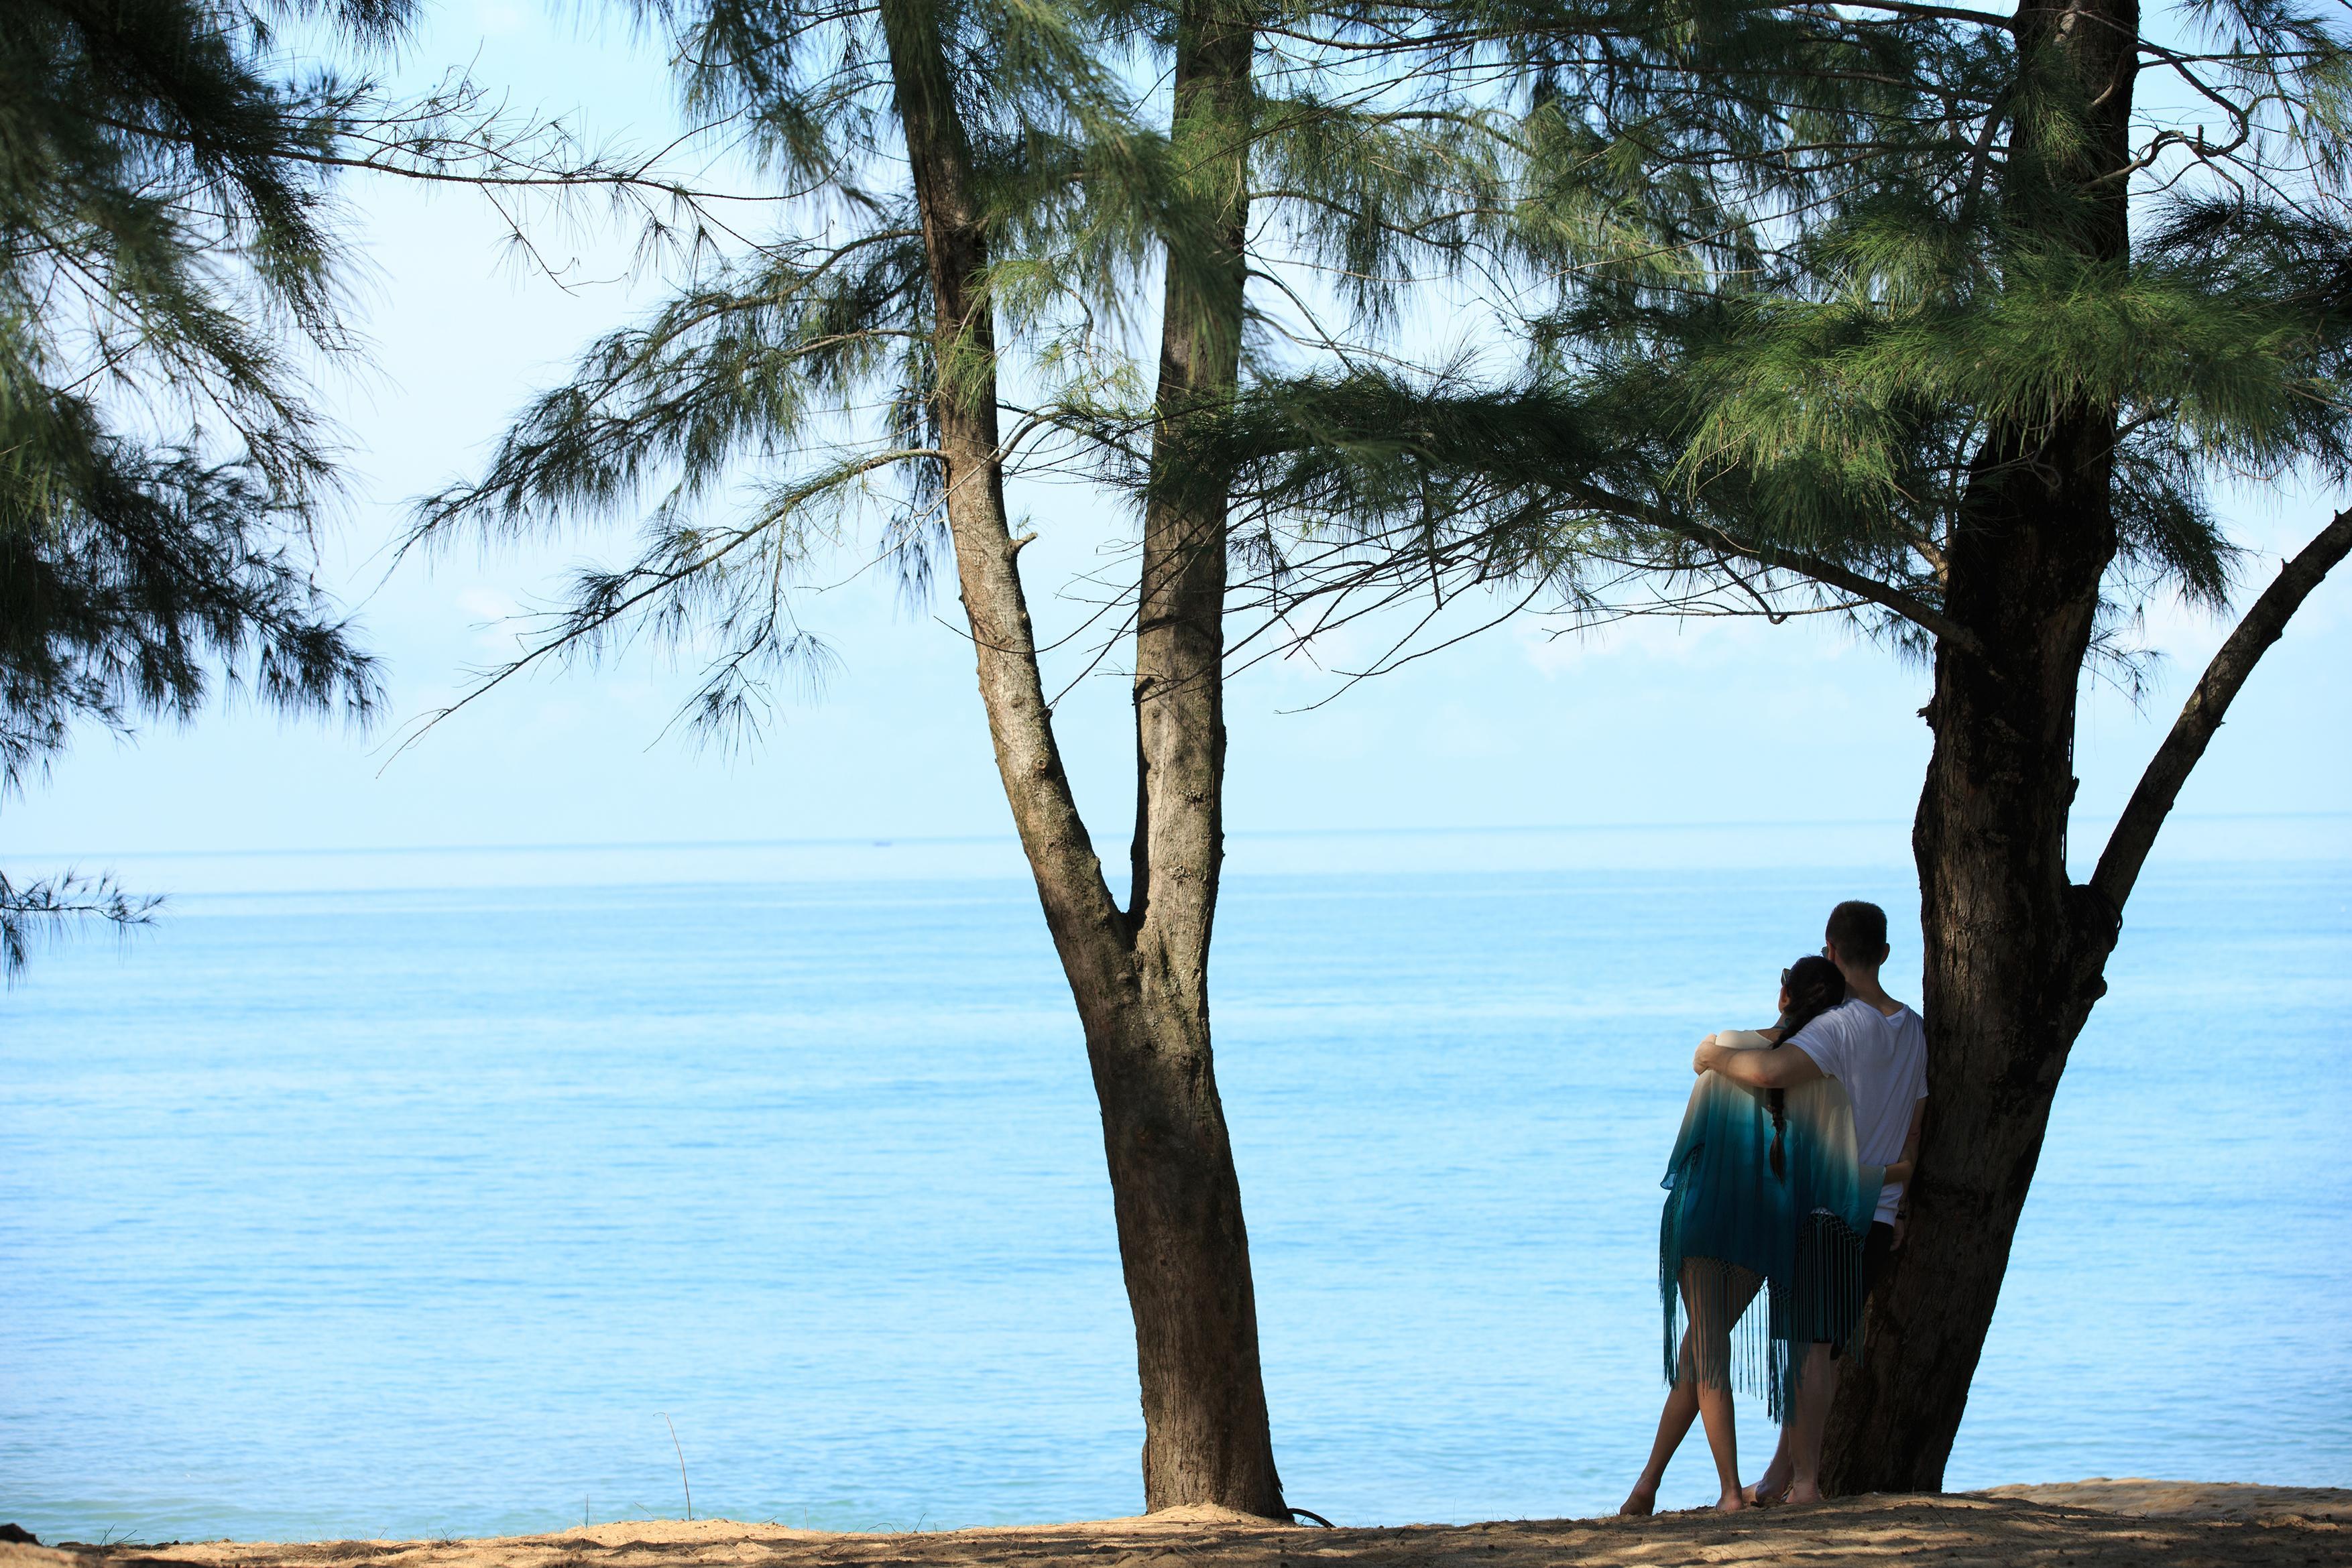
{"x":2080,"y":1524}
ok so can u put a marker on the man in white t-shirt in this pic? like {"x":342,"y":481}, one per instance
{"x":1877,"y":1050}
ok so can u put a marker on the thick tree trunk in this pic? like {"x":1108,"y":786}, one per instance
{"x":1998,"y":1058}
{"x":1139,"y":977}
{"x":2013,"y":952}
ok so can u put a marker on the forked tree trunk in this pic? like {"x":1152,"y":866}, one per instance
{"x":2015,"y":951}
{"x":1139,"y":977}
{"x":1997,"y":1056}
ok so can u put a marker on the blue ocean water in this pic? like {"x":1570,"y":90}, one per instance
{"x":422,"y":1211}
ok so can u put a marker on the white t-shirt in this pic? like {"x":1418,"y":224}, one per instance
{"x":1882,"y":1061}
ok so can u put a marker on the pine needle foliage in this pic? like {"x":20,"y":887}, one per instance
{"x":161,"y":235}
{"x":1794,"y":284}
{"x":170,"y":273}
{"x":773,"y":413}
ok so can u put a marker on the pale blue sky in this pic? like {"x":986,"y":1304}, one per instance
{"x":1656,"y":723}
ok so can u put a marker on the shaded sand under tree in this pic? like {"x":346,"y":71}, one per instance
{"x":2082,"y":1524}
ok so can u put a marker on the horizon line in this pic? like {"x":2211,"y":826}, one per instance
{"x":890,"y":840}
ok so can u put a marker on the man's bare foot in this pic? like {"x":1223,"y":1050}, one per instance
{"x":1731,"y":1502}
{"x":1803,"y":1494}
{"x":1639,"y":1503}
{"x":1766,"y":1493}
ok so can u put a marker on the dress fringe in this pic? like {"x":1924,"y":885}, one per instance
{"x":1763,"y":1265}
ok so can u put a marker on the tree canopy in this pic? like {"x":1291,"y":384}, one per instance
{"x":1771,"y":344}
{"x":771,"y":414}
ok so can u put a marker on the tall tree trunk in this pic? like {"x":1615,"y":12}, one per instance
{"x":1206,"y":1437}
{"x":2013,"y":952}
{"x":1139,"y":977}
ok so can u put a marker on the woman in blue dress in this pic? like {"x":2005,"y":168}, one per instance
{"x":1764,"y":1196}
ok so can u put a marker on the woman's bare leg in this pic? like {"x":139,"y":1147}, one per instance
{"x":1712,"y":1314}
{"x":1723,"y":1442}
{"x":1674,"y":1425}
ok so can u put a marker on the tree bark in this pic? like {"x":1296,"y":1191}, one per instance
{"x":1139,"y":977}
{"x":1186,"y":1250}
{"x":2012,"y":955}
{"x":2013,"y":952}
{"x":1996,"y":1065}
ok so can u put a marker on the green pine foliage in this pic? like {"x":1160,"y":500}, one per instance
{"x":1797,"y":264}
{"x":169,"y":274}
{"x":773,"y":413}
{"x":161,"y":241}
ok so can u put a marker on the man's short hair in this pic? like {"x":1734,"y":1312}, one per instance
{"x":1858,"y":931}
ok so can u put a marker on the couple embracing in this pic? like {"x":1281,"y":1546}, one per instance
{"x":1786,"y":1182}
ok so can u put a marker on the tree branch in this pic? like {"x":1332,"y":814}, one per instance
{"x":1912,"y":608}
{"x":2202,"y":715}
{"x":56,"y":902}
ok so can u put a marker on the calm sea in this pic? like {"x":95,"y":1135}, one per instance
{"x":430,"y":1210}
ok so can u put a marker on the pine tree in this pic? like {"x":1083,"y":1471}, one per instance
{"x":988,"y":191}
{"x":1960,"y":356}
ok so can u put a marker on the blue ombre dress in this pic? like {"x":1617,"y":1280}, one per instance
{"x":1735,"y":1228}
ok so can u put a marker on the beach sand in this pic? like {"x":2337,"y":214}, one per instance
{"x":2079,"y":1524}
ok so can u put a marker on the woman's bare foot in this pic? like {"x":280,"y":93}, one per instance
{"x":1803,"y":1494}
{"x":1640,"y":1502}
{"x":1766,"y":1493}
{"x":1731,"y":1502}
